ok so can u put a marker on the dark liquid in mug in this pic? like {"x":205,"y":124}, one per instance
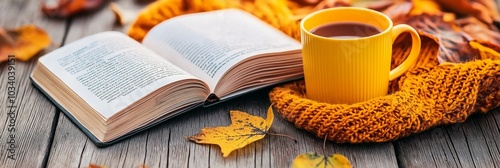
{"x":345,"y":30}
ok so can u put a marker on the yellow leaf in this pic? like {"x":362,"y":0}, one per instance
{"x":24,"y":42}
{"x":313,"y":160}
{"x":244,"y":129}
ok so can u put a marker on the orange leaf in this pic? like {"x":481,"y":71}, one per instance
{"x":425,"y":6}
{"x":24,"y":42}
{"x":68,"y":8}
{"x":244,"y":129}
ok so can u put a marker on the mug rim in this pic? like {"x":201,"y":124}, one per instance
{"x":302,"y":22}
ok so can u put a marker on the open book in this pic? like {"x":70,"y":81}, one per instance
{"x":112,"y":86}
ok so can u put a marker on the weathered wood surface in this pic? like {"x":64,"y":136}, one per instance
{"x":474,"y":143}
{"x":34,"y":116}
{"x":46,"y":137}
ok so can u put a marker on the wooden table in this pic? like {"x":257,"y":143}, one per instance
{"x":45,"y":137}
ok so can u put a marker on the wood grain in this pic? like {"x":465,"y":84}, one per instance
{"x":474,"y":143}
{"x":35,"y":114}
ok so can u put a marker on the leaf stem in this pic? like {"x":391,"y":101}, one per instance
{"x":283,"y":135}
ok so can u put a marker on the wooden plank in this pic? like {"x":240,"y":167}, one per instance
{"x":34,"y":116}
{"x":474,"y":143}
{"x":429,"y":149}
{"x":493,"y":138}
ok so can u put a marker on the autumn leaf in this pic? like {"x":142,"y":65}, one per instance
{"x":425,"y":6}
{"x":453,"y":35}
{"x":313,"y":160}
{"x":68,"y":8}
{"x":24,"y":42}
{"x":479,"y":31}
{"x":453,"y":43}
{"x":244,"y":129}
{"x":484,"y":10}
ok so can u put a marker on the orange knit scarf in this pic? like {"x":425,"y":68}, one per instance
{"x":428,"y":95}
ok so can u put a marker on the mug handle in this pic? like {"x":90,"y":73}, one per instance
{"x":415,"y":49}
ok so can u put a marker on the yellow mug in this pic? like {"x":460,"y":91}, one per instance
{"x":350,"y":70}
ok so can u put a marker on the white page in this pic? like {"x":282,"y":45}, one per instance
{"x":110,"y":71}
{"x":208,"y":44}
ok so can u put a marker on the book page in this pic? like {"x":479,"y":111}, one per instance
{"x":110,"y":71}
{"x":208,"y":44}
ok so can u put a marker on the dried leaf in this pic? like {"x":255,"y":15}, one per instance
{"x":24,"y":42}
{"x":465,"y":7}
{"x":244,"y":129}
{"x":313,"y":160}
{"x":452,"y":35}
{"x":453,"y":44}
{"x":380,"y":5}
{"x":479,"y":31}
{"x":68,"y":8}
{"x":332,"y":3}
{"x":395,"y":10}
{"x":491,"y":7}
